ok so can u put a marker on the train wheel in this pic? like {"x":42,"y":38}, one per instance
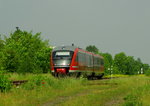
{"x":91,"y":77}
{"x":100,"y":76}
{"x":55,"y":74}
{"x":78,"y":75}
{"x":60,"y":75}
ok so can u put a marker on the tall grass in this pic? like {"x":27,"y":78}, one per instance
{"x":140,"y":93}
{"x":43,"y":88}
{"x":128,"y":91}
{"x":40,"y":88}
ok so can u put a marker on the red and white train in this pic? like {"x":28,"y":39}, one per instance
{"x":71,"y":60}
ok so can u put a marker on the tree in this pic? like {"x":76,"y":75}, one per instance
{"x":1,"y":43}
{"x":137,"y":67}
{"x":108,"y":60}
{"x":2,"y":58}
{"x":119,"y":62}
{"x":146,"y":67}
{"x":130,"y":65}
{"x":26,"y":52}
{"x":92,"y":48}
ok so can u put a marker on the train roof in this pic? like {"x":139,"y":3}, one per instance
{"x":70,"y":48}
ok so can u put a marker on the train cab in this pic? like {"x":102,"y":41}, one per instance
{"x":61,"y":59}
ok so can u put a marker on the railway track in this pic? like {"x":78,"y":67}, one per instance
{"x":105,"y":78}
{"x":19,"y":82}
{"x":109,"y":78}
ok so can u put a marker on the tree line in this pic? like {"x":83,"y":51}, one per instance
{"x":120,"y":63}
{"x":25,"y":52}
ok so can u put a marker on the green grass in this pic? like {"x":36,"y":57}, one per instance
{"x":115,"y":75}
{"x":123,"y":91}
{"x":27,"y":76}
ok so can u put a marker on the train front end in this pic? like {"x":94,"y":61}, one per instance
{"x":61,"y":59}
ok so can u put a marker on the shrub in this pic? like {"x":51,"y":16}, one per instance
{"x":147,"y":73}
{"x":36,"y":81}
{"x":43,"y":81}
{"x":26,"y":52}
{"x":5,"y":83}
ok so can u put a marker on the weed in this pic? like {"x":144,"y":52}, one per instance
{"x":132,"y":100}
{"x":36,"y":81}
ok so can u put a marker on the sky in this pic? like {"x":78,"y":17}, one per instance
{"x":113,"y":26}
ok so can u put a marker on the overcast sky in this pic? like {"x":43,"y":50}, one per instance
{"x":111,"y":25}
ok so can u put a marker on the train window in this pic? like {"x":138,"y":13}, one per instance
{"x":81,"y":57}
{"x":102,"y":62}
{"x":91,"y":60}
{"x":97,"y":61}
{"x":88,"y":60}
{"x":77,"y":57}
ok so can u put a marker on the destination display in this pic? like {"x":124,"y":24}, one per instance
{"x":62,"y":53}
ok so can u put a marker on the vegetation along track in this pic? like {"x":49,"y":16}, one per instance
{"x":79,"y":92}
{"x":19,"y":82}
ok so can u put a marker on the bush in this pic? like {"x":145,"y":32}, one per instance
{"x":147,"y":73}
{"x":5,"y":83}
{"x":36,"y":81}
{"x":41,"y":81}
{"x":44,"y":81}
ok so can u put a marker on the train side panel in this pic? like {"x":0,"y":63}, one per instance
{"x":74,"y":66}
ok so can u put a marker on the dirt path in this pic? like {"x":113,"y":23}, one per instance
{"x":62,"y":99}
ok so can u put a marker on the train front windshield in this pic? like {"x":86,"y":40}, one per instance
{"x":62,"y":58}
